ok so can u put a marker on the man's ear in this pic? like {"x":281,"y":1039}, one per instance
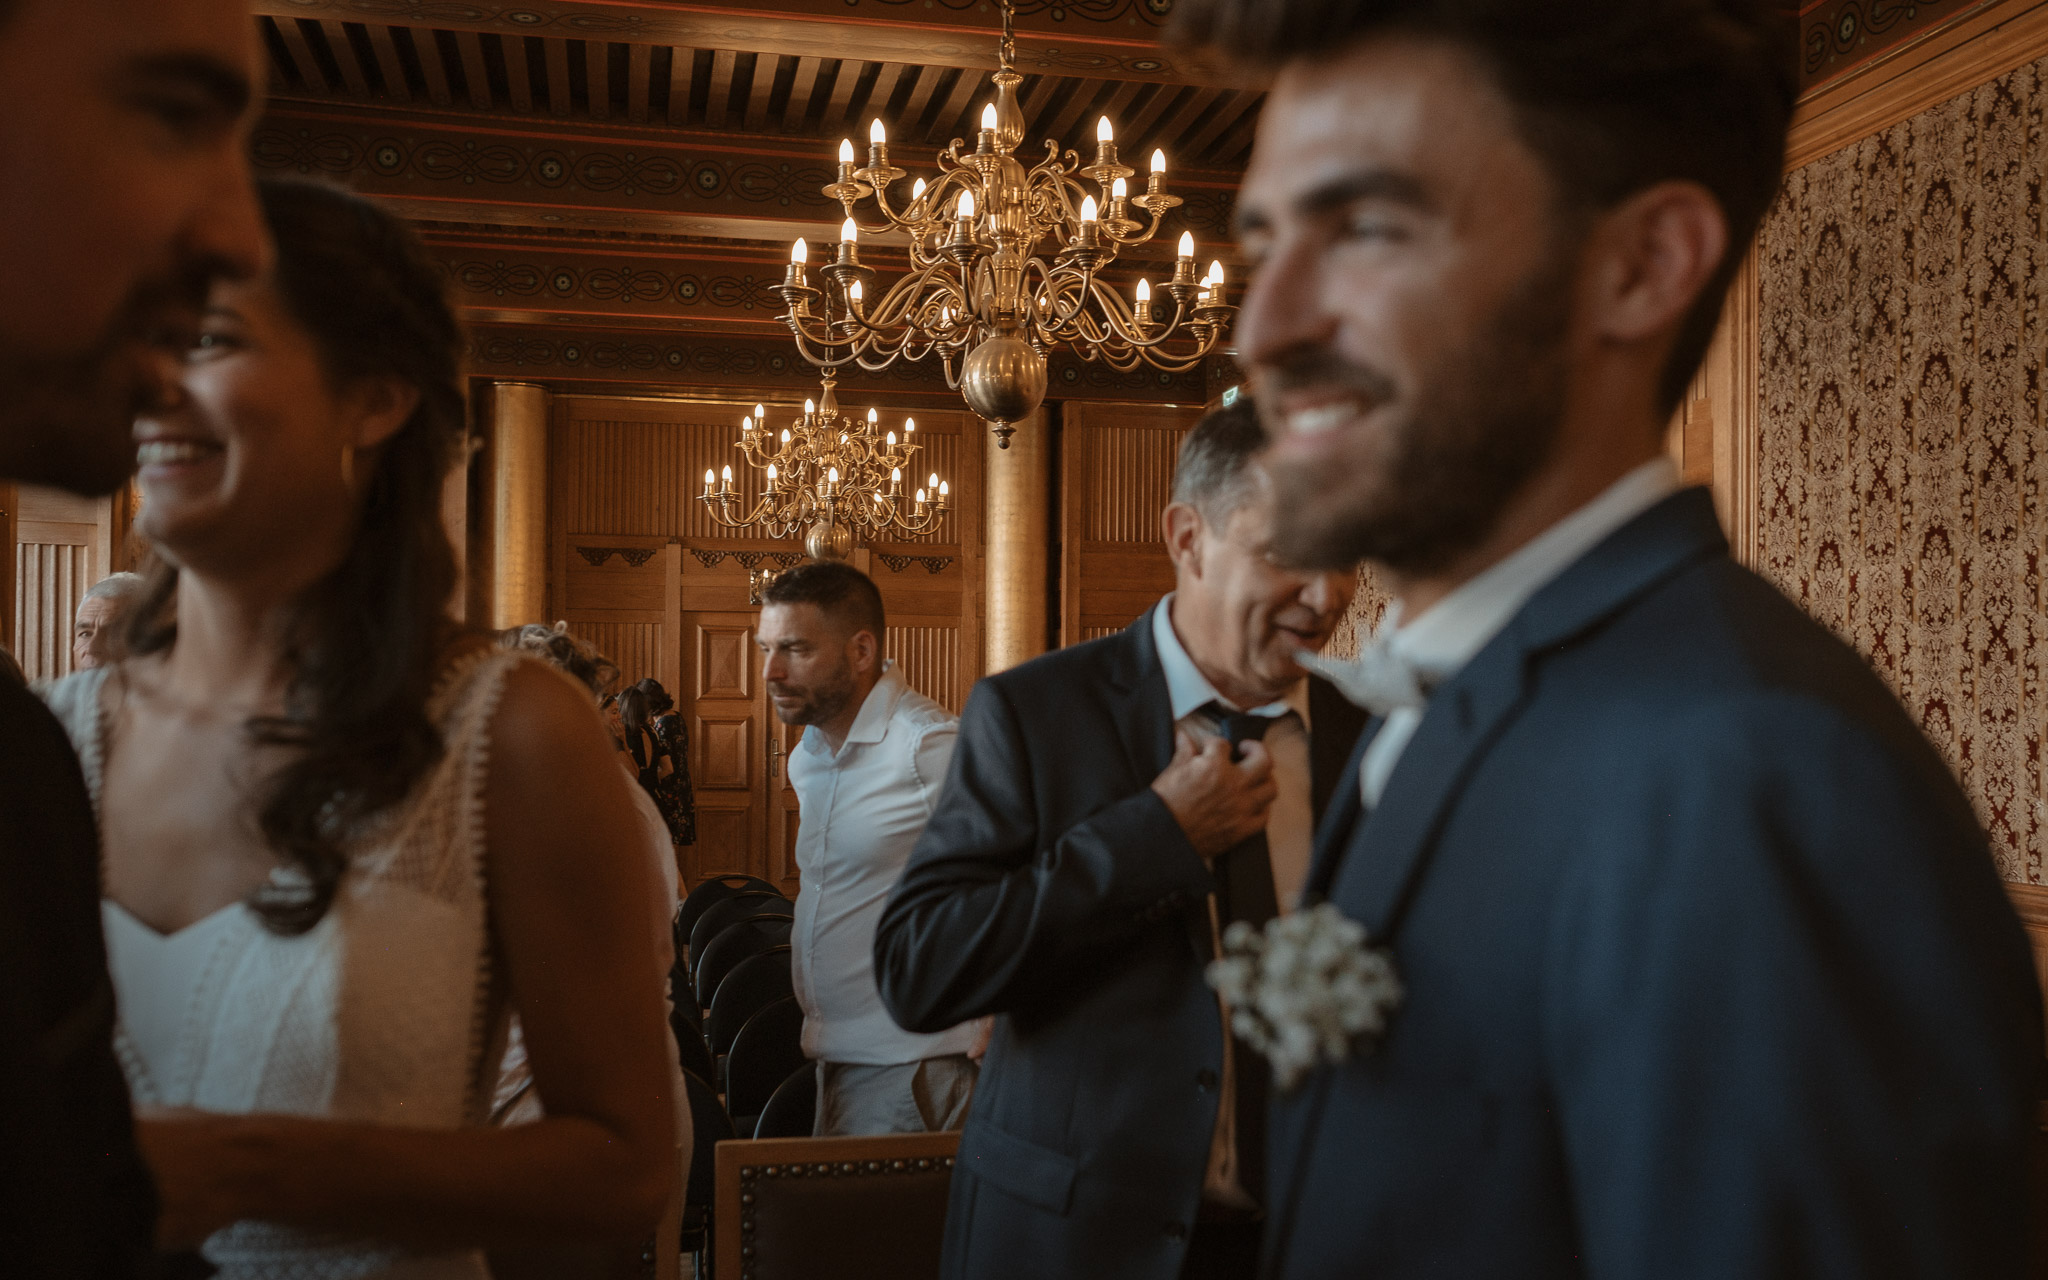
{"x":383,"y":405}
{"x":1651,"y":257}
{"x":864,"y":651}
{"x":1182,"y":524}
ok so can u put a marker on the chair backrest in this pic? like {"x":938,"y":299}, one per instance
{"x":737,"y":943}
{"x":706,"y":894}
{"x":763,"y":1054}
{"x":833,"y":1208}
{"x":690,"y":1047}
{"x":741,"y":906}
{"x":710,"y":1126}
{"x":753,"y":985}
{"x":792,"y":1110}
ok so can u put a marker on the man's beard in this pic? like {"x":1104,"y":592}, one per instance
{"x":68,"y":420}
{"x":821,"y":701}
{"x":1484,"y":420}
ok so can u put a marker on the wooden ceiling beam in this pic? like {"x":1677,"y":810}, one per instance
{"x":561,"y":95}
{"x":844,"y":82}
{"x":720,"y":94}
{"x":1243,"y":105}
{"x":518,"y":74}
{"x":760,"y":90}
{"x":428,"y":51}
{"x":966,"y":88}
{"x":680,"y":73}
{"x":345,"y":57}
{"x":639,"y":62}
{"x":1078,"y":101}
{"x":887,"y":76}
{"x":388,"y":63}
{"x":476,"y":78}
{"x":1173,"y":135}
{"x":303,"y":60}
{"x":1111,"y":47}
{"x":597,"y":78}
{"x":799,"y":104}
{"x":913,"y":106}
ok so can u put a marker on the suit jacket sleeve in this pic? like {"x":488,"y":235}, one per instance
{"x":1793,"y":1026}
{"x":992,"y":911}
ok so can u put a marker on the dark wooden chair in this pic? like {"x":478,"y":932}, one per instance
{"x":764,"y":1053}
{"x":691,"y":1050}
{"x":741,"y":941}
{"x":742,"y":906}
{"x":833,"y":1208}
{"x":792,"y":1110}
{"x":709,"y":1126}
{"x":754,"y":984}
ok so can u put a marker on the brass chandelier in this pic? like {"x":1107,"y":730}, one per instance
{"x":831,"y":476}
{"x":977,"y":293}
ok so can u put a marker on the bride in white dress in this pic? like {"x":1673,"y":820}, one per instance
{"x":343,"y":838}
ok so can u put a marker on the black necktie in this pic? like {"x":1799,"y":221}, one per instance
{"x":1244,"y":875}
{"x":1244,"y":891}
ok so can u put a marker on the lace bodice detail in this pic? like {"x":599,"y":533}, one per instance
{"x":385,"y":1013}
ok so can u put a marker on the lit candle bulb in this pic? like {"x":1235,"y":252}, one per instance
{"x":846,"y":151}
{"x":771,"y":473}
{"x":988,"y":115}
{"x":849,"y":232}
{"x":917,"y":191}
{"x":876,"y":134}
{"x":933,"y":483}
{"x":892,"y":441}
{"x":1089,"y":212}
{"x":725,"y":477}
{"x":1187,"y":245}
{"x":760,"y":414}
{"x":853,"y":293}
{"x":895,"y":473}
{"x":800,"y":252}
{"x":810,"y":409}
{"x":746,"y":426}
{"x":945,"y":491}
{"x":709,"y":479}
{"x":966,"y":205}
{"x":1105,"y":142}
{"x":920,"y":500}
{"x":832,"y":476}
{"x":909,"y":425}
{"x":1144,"y":307}
{"x":1104,"y":131}
{"x":1118,"y":190}
{"x":873,"y":419}
{"x":1184,"y":262}
{"x":785,"y":435}
{"x":1158,"y":160}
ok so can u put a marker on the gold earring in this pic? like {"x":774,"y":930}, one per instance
{"x":348,"y":466}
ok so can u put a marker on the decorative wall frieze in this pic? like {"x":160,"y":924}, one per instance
{"x":633,"y":556}
{"x":711,"y":559}
{"x":897,"y":564}
{"x":1837,"y":36}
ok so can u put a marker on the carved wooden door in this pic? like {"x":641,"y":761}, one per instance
{"x":733,"y":749}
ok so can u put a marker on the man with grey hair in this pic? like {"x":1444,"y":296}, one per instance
{"x":1111,"y":807}
{"x":100,"y":617}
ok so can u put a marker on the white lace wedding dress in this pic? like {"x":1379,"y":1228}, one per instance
{"x":385,"y":1013}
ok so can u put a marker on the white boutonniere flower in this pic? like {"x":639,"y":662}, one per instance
{"x":1305,"y":989}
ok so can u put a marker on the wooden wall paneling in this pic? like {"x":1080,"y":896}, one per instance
{"x":1116,"y":477}
{"x":2031,"y":901}
{"x":62,"y":545}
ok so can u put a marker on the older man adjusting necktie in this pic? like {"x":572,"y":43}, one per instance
{"x":1097,"y":831}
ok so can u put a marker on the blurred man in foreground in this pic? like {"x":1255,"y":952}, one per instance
{"x":123,"y":191}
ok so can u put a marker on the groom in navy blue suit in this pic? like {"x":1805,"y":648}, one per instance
{"x":1707,"y":970}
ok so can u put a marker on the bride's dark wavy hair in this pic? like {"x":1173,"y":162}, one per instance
{"x":365,"y":643}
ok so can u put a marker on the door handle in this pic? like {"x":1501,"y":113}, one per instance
{"x":774,"y":750}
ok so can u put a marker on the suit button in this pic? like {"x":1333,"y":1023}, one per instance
{"x":1176,"y":1231}
{"x":1205,"y":1079}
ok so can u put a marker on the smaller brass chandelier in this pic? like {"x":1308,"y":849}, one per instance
{"x":831,"y":476}
{"x":980,"y":293}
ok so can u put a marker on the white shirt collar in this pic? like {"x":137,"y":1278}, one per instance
{"x":1451,"y":632}
{"x":1188,"y":690}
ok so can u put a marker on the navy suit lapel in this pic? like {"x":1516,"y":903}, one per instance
{"x":1145,"y":720}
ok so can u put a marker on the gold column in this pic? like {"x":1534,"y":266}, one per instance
{"x":516,"y":498}
{"x":1019,"y":536}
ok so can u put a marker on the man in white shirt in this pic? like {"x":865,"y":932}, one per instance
{"x":1706,"y":969}
{"x":867,"y":774}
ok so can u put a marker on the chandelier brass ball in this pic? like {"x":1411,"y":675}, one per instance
{"x":828,"y":540}
{"x":1003,"y":379}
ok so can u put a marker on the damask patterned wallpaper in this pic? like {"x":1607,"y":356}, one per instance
{"x":1903,"y":464}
